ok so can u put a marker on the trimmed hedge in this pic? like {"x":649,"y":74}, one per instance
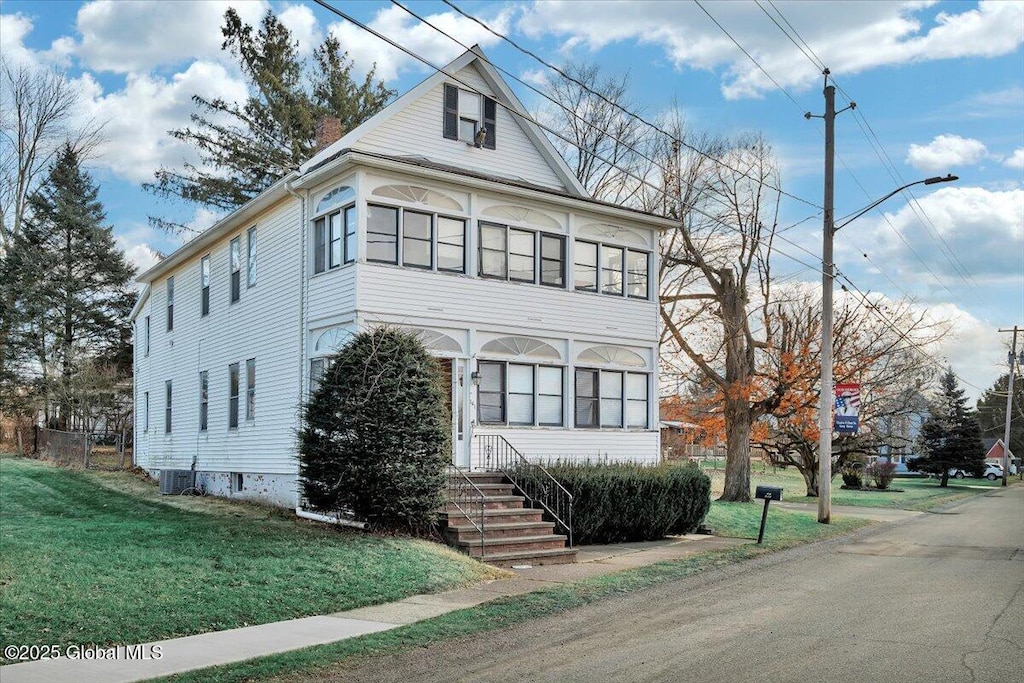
{"x":615,"y":503}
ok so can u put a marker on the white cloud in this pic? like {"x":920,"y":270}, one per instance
{"x":132,"y":36}
{"x":1015,"y":160}
{"x":946,"y":153}
{"x":138,"y":117}
{"x":984,"y":229}
{"x":300,"y":21}
{"x":366,"y":50}
{"x":14,"y":28}
{"x":850,"y":37}
{"x":973,"y":348}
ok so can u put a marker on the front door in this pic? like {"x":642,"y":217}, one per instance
{"x":453,"y":370}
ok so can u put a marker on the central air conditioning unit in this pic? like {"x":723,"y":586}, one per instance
{"x":175,"y":482}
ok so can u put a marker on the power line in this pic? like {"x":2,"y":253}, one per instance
{"x":611,"y":163}
{"x":602,"y":97}
{"x":876,"y":144}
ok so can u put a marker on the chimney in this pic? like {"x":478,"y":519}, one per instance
{"x":328,"y":131}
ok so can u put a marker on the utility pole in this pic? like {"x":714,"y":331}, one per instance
{"x":827,"y":399}
{"x":1009,"y":402}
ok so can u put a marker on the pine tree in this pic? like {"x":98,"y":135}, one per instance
{"x":244,"y":148}
{"x":950,"y":437}
{"x":376,"y":438}
{"x":74,"y":284}
{"x":992,"y":412}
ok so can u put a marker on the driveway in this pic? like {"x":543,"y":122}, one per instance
{"x":934,"y":597}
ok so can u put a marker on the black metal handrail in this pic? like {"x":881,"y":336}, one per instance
{"x":544,"y":490}
{"x":466,"y":497}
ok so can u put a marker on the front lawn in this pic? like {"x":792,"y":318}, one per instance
{"x":784,"y":528}
{"x":918,"y":493}
{"x":100,"y":558}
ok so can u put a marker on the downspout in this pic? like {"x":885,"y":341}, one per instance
{"x":303,"y":285}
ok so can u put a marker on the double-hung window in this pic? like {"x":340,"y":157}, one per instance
{"x":170,"y":303}
{"x":318,"y":368}
{"x":334,"y":239}
{"x":611,"y":270}
{"x":145,"y":412}
{"x":204,"y":400}
{"x":235,"y":252}
{"x":145,"y":331}
{"x":509,"y":253}
{"x":168,"y":394}
{"x":250,"y":273}
{"x":611,"y":398}
{"x":415,"y":239}
{"x":233,"y":396}
{"x":204,"y":286}
{"x":520,"y":394}
{"x":467,"y":114}
{"x":250,"y":389}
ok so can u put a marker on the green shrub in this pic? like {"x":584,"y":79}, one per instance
{"x":375,"y":438}
{"x":852,"y":475}
{"x":614,"y":503}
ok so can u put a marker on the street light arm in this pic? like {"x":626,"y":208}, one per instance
{"x":869,"y":207}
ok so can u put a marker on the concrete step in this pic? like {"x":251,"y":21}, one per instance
{"x":513,"y":544}
{"x":497,"y":515}
{"x":468,"y":532}
{"x":479,"y":478}
{"x":496,"y":502}
{"x":538,"y":557}
{"x":492,"y":489}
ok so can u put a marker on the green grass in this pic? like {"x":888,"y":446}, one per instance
{"x":742,"y":520}
{"x":786,"y":530}
{"x":103,"y":559}
{"x":918,"y":494}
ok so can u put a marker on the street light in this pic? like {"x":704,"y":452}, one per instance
{"x":827,"y":399}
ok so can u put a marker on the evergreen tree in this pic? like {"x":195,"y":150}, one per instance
{"x":74,"y":284}
{"x":244,"y":148}
{"x":950,"y":437}
{"x":992,"y":412}
{"x":376,"y":436}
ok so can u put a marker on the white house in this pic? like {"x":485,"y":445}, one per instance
{"x":449,"y":214}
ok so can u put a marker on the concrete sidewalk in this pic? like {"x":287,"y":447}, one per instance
{"x":225,"y":647}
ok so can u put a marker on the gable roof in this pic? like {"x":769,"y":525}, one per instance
{"x":503,"y":94}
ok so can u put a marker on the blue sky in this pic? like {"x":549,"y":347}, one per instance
{"x":939,"y":88}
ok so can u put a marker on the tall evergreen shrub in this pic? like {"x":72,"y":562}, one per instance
{"x":376,"y":437}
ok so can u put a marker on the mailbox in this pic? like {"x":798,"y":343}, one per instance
{"x":767,"y":494}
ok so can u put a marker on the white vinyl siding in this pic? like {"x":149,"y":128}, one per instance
{"x":415,"y":131}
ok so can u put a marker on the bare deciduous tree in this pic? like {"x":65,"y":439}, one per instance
{"x":39,"y":115}
{"x":727,"y":215}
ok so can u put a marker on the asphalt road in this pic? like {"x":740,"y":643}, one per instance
{"x":936,"y":598}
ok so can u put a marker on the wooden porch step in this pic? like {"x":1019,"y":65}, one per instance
{"x":537,"y":557}
{"x":512,"y":544}
{"x":468,"y":532}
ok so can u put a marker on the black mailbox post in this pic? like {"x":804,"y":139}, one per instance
{"x":768,"y":494}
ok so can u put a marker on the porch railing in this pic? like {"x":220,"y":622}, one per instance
{"x":532,"y":480}
{"x":469,"y":500}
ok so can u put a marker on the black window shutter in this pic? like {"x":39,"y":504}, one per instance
{"x":451,"y":112}
{"x":490,"y":109}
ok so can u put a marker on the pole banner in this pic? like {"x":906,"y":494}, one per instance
{"x":847,"y":408}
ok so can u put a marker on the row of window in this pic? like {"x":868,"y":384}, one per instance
{"x":522,"y":394}
{"x":235,"y":261}
{"x":234,"y":384}
{"x":436,"y":242}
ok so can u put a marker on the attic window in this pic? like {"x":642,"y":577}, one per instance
{"x":466,"y":113}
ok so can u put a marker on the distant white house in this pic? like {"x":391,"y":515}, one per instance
{"x":446,"y":214}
